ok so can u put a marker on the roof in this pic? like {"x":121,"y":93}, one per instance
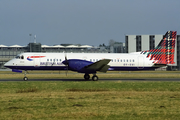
{"x":3,"y":46}
{"x":16,"y":46}
{"x":86,"y":46}
{"x":45,"y":46}
{"x":55,"y":46}
{"x":58,"y":46}
{"x":72,"y":46}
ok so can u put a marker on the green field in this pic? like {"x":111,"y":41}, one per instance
{"x":74,"y":75}
{"x":89,"y":100}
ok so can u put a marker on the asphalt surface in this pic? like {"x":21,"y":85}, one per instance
{"x":100,"y":79}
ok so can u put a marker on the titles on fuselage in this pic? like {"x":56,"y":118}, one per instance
{"x":51,"y":63}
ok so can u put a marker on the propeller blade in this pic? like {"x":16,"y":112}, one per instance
{"x":67,"y":64}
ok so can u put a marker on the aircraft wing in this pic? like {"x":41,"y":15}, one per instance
{"x":100,"y":65}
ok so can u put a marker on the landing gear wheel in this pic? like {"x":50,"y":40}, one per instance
{"x":95,"y":78}
{"x":86,"y":76}
{"x":25,"y":78}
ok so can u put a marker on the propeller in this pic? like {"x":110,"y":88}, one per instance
{"x":67,"y":64}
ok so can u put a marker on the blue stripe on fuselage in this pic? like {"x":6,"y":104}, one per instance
{"x":65,"y":68}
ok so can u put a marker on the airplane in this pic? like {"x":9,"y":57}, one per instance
{"x":91,"y":63}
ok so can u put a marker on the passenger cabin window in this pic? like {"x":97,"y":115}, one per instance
{"x":22,"y":57}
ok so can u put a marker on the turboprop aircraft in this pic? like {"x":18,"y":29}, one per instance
{"x":90,"y":63}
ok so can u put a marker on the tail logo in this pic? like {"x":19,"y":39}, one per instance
{"x":164,"y":52}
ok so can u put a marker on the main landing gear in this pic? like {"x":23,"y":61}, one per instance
{"x":86,"y":77}
{"x":25,"y":78}
{"x":94,"y":78}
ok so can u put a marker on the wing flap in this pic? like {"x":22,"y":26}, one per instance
{"x":100,"y":65}
{"x":104,"y":68}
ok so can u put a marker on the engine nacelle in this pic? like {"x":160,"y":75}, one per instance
{"x":78,"y":65}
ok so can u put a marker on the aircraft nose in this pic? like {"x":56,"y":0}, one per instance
{"x":7,"y":64}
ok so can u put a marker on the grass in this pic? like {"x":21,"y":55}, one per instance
{"x":89,"y":100}
{"x":74,"y":75}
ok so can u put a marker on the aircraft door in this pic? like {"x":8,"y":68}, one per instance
{"x":140,"y":62}
{"x":21,"y":62}
{"x":36,"y":59}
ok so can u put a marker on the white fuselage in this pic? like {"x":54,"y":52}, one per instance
{"x":53,"y":61}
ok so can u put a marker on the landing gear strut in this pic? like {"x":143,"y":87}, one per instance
{"x":25,"y":78}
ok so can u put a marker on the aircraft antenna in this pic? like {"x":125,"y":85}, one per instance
{"x":34,"y":38}
{"x":30,"y":36}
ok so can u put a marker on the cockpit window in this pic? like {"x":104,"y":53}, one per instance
{"x":17,"y":57}
{"x":22,"y":57}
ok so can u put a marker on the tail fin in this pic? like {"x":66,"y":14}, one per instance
{"x":164,"y":52}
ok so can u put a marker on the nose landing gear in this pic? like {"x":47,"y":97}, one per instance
{"x":25,"y":78}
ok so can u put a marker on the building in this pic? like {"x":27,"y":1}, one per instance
{"x":136,"y":43}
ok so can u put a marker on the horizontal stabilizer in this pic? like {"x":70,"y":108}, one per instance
{"x":15,"y":70}
{"x":159,"y":65}
{"x":100,"y":65}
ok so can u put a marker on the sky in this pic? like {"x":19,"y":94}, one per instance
{"x":86,"y":22}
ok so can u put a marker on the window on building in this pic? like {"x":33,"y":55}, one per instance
{"x":126,"y":47}
{"x":138,"y":43}
{"x":151,"y":41}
